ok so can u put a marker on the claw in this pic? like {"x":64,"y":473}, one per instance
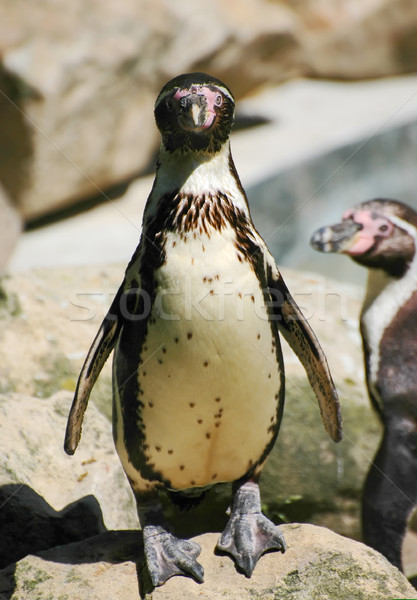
{"x":248,"y":533}
{"x":167,"y":555}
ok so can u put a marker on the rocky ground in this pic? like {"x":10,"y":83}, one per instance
{"x":318,"y":565}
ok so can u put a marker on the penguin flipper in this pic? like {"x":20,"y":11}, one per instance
{"x":100,"y":349}
{"x":299,"y":335}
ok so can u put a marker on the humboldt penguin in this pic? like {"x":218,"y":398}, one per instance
{"x":382,"y":236}
{"x":198,"y":379}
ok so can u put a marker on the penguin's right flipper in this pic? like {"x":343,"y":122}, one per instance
{"x":101,"y":347}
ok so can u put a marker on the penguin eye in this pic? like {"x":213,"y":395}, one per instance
{"x":218,"y":101}
{"x":169,"y":103}
{"x":383,"y":228}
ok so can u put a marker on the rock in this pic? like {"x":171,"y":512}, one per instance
{"x":368,"y":39}
{"x":318,"y":564}
{"x":35,"y":472}
{"x":86,"y":77}
{"x":78,"y":80}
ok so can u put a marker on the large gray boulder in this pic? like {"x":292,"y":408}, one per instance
{"x":318,"y":565}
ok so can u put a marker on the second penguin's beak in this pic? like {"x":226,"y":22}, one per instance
{"x":336,"y":238}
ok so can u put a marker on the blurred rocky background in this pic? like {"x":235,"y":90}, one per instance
{"x":78,"y":81}
{"x":326,"y":117}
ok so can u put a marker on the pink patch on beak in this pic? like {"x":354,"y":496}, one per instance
{"x":361,"y":245}
{"x":210,"y":96}
{"x":371,"y":229}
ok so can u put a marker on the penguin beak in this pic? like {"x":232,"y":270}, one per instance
{"x":337,"y":238}
{"x":194,"y":113}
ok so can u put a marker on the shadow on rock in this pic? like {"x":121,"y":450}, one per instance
{"x":28,"y":525}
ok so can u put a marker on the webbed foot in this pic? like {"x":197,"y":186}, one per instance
{"x":167,"y":555}
{"x":249,"y":533}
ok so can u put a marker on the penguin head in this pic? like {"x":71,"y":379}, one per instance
{"x":378,"y":234}
{"x":194,"y":113}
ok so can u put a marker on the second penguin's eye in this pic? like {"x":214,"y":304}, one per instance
{"x":218,"y":101}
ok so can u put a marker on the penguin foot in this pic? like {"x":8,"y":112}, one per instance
{"x":167,"y":555}
{"x":249,"y":533}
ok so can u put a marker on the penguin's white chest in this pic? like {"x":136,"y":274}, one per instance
{"x":209,"y":373}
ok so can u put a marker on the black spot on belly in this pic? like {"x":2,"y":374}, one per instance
{"x":150,"y":404}
{"x":170,"y":451}
{"x":199,"y":421}
{"x":214,"y":476}
{"x":206,"y":363}
{"x":217,"y":399}
{"x":258,"y":336}
{"x":158,"y":448}
{"x":160,"y":361}
{"x":164,"y":350}
{"x":189,"y":335}
{"x":208,"y":435}
{"x":182,"y":467}
{"x":176,"y":340}
{"x":191,"y":404}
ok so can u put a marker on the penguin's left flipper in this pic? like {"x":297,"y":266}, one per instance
{"x":101,"y":347}
{"x":299,"y":335}
{"x":248,"y":533}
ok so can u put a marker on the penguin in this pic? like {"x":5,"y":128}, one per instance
{"x":381,"y":235}
{"x":198,"y":377}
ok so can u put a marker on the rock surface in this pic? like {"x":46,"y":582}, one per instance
{"x":38,"y":479}
{"x":78,"y":80}
{"x":318,"y":565}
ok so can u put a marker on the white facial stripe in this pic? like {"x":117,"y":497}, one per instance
{"x":408,"y":227}
{"x":225,"y":92}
